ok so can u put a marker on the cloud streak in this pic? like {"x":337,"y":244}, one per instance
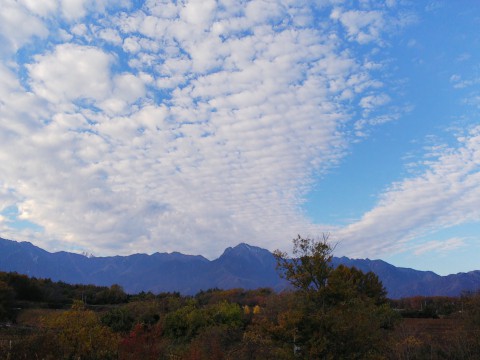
{"x":445,"y":194}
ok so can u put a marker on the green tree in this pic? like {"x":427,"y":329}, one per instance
{"x":6,"y":301}
{"x":310,"y":266}
{"x":112,"y":295}
{"x":25,"y":288}
{"x":341,"y":313}
{"x":187,"y":322}
{"x":118,"y":319}
{"x":346,"y":283}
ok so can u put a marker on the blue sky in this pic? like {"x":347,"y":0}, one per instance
{"x":131,"y":126}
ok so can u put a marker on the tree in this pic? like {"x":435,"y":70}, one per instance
{"x":345,"y":283}
{"x":310,"y":267}
{"x":79,"y":334}
{"x":6,"y":300}
{"x":112,"y":295}
{"x":118,"y":319}
{"x":342,"y":312}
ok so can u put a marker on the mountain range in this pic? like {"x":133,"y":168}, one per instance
{"x":242,"y":266}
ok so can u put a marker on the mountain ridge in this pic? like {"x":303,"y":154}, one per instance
{"x":242,"y":266}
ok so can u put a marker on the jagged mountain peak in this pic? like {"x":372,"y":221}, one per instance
{"x":245,"y":249}
{"x":243,"y":254}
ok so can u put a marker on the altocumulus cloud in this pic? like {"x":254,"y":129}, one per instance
{"x":182,"y":125}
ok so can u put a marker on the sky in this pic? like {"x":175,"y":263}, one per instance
{"x":194,"y":125}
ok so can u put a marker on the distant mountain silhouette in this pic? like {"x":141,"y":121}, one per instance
{"x":243,"y":266}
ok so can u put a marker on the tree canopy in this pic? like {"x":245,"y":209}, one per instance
{"x":310,"y":266}
{"x":340,"y":313}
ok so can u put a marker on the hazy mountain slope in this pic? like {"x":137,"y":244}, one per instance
{"x":243,"y":266}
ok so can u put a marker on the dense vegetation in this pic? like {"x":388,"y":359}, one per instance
{"x":330,"y":313}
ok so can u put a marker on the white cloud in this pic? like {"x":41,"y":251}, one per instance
{"x":443,"y":196}
{"x":262,"y":11}
{"x":460,"y":83}
{"x":14,"y":36}
{"x":73,"y":9}
{"x":370,"y":102}
{"x":131,"y":45}
{"x":198,"y":12}
{"x":127,"y":88}
{"x":79,"y":30}
{"x":361,"y":26}
{"x":111,"y":36}
{"x":71,"y":72}
{"x":439,"y":246}
{"x":20,"y":111}
{"x":42,"y":8}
